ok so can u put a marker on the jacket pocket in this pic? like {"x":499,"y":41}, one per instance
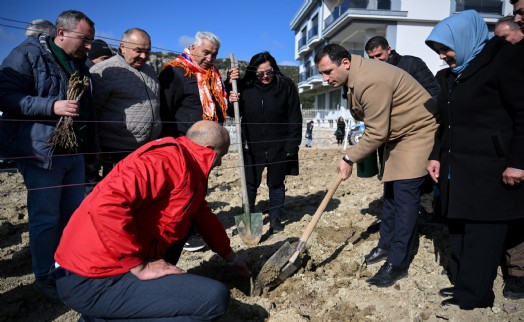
{"x":497,"y":146}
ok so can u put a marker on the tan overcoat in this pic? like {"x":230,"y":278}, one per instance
{"x":396,"y":110}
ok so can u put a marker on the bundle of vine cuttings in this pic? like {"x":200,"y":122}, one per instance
{"x":64,"y":135}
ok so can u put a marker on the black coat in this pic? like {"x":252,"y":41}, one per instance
{"x":180,"y":105}
{"x":418,"y":70}
{"x":271,"y":123}
{"x":481,"y":134}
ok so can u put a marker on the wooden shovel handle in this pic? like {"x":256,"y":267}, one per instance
{"x":238,"y":128}
{"x":318,"y":213}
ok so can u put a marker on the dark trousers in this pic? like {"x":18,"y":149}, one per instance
{"x":182,"y":297}
{"x":515,"y":249}
{"x":275,"y":181}
{"x":477,"y":248}
{"x":399,"y":218}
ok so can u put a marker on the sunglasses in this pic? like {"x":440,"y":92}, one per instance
{"x":267,"y":72}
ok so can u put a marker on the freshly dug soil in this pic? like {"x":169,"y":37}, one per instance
{"x":328,"y":286}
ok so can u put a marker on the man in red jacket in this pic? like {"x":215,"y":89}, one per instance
{"x":117,"y":256}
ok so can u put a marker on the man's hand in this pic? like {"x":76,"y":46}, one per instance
{"x":150,"y":270}
{"x":512,"y":176}
{"x":345,"y":169}
{"x":66,"y":108}
{"x":434,"y":169}
{"x":240,"y":263}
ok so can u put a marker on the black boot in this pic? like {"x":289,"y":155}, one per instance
{"x":275,"y":225}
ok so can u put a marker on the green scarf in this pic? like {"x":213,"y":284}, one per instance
{"x":69,"y":66}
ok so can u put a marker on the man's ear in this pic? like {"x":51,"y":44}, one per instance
{"x":345,"y":63}
{"x":60,"y":32}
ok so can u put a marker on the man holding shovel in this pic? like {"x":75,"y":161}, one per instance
{"x":191,"y":89}
{"x":402,"y":117}
{"x":117,"y":258}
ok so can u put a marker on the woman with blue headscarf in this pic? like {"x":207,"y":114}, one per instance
{"x":478,"y":157}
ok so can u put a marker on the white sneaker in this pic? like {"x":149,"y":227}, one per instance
{"x":194,"y":244}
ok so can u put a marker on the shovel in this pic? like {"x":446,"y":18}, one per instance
{"x":286,"y":260}
{"x":249,"y":225}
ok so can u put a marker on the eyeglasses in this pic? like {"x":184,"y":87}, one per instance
{"x":267,"y":72}
{"x":85,"y":40}
{"x":141,"y":50}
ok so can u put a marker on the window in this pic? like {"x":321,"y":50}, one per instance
{"x":321,"y":102}
{"x":335,"y":98}
{"x":482,"y":6}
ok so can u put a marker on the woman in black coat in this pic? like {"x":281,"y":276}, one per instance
{"x":271,"y":130}
{"x":341,"y":130}
{"x":478,"y":157}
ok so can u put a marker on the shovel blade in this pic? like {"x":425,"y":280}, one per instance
{"x":290,"y":268}
{"x":270,"y":273}
{"x":249,"y":228}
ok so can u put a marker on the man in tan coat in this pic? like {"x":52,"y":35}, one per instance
{"x":399,"y":112}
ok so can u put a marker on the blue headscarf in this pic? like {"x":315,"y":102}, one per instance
{"x":465,"y":34}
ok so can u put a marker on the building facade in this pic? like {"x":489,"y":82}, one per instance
{"x":351,"y":23}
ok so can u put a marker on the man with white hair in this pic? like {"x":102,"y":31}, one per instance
{"x":191,"y":88}
{"x":40,"y":26}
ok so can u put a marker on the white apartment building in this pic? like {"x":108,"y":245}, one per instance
{"x":351,"y":23}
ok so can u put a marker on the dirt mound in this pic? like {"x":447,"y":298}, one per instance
{"x":330,"y":284}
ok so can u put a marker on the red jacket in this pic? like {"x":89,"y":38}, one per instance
{"x":148,"y":201}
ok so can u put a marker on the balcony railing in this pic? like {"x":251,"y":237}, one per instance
{"x":302,"y":42}
{"x":481,"y":6}
{"x":356,"y":4}
{"x":312,"y":32}
{"x":310,"y":72}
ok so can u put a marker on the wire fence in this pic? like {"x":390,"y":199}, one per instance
{"x":325,"y":120}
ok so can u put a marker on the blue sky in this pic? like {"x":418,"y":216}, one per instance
{"x":245,"y":27}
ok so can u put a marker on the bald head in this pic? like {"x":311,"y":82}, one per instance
{"x":212,"y":135}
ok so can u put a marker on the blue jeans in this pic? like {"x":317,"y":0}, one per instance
{"x":181,"y":297}
{"x":52,"y":197}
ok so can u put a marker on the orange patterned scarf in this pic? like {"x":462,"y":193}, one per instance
{"x":209,"y":82}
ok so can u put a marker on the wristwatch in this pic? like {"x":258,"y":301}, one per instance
{"x":347,"y":160}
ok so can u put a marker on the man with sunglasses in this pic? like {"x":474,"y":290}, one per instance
{"x":33,"y":95}
{"x":126,"y":95}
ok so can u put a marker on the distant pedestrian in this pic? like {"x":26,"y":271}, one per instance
{"x":341,"y":130}
{"x":309,"y":133}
